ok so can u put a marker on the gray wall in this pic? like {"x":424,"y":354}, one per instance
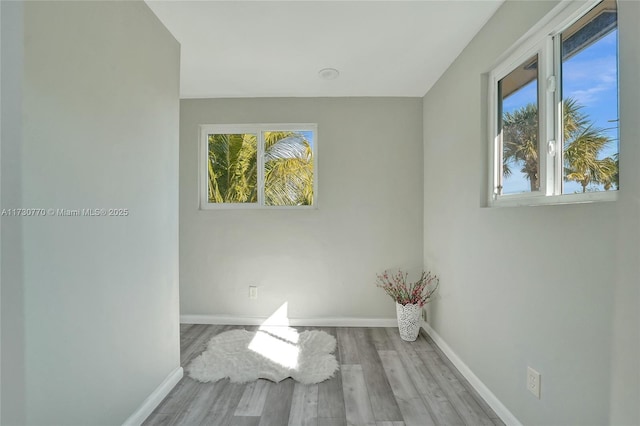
{"x":11,"y":263}
{"x":322,"y":262}
{"x":100,"y":130}
{"x":538,"y":286}
{"x":625,"y":384}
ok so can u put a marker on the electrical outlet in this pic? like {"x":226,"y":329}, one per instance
{"x":424,"y":314}
{"x":533,"y":382}
{"x":253,"y":292}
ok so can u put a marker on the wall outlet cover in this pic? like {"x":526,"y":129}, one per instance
{"x":533,"y":382}
{"x":253,"y":292}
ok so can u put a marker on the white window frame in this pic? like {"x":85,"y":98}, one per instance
{"x":541,"y":40}
{"x":258,"y":129}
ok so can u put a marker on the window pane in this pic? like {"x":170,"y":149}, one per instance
{"x":590,"y":101}
{"x":232,"y":168}
{"x":518,"y":122}
{"x":288,"y":168}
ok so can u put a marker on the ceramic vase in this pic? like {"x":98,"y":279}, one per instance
{"x":408,"y":321}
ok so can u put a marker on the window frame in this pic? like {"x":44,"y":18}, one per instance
{"x":543,"y":39}
{"x":203,"y":154}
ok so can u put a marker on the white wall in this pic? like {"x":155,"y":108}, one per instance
{"x":100,"y":130}
{"x":536,"y":286}
{"x":322,"y":262}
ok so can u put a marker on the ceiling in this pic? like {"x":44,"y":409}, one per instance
{"x":276,"y":48}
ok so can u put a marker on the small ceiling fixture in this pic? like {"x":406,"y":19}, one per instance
{"x":328,"y":73}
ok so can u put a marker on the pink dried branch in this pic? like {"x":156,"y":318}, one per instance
{"x":419,"y":292}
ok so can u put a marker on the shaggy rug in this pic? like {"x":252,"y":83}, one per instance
{"x":272,"y":353}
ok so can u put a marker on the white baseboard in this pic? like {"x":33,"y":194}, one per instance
{"x":153,"y":400}
{"x":315,"y":322}
{"x":503,"y":412}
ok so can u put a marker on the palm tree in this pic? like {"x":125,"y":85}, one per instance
{"x":233,"y":176}
{"x":288,"y":169}
{"x":288,"y":164}
{"x":520,"y":142}
{"x":583,"y":144}
{"x":615,"y":179}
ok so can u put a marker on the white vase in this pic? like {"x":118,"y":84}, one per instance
{"x":408,"y":321}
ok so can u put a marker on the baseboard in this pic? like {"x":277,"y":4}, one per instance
{"x":153,"y":400}
{"x":308,"y":322}
{"x":503,"y":412}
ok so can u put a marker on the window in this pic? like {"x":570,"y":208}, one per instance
{"x":258,"y":166}
{"x":554,"y":111}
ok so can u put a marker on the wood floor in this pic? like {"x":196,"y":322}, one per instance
{"x":383,"y":381}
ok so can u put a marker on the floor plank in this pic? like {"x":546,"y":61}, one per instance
{"x":277,"y":407}
{"x":330,"y":396}
{"x":184,"y":328}
{"x":159,"y":419}
{"x":304,"y":405}
{"x":194,"y":331}
{"x":378,"y":336}
{"x":244,"y":421}
{"x":332,"y":422}
{"x":197,"y":345}
{"x":413,"y":408}
{"x":179,"y":396}
{"x":253,"y":398}
{"x":197,"y":408}
{"x":469,"y":413}
{"x":481,"y":402}
{"x":432,"y":394}
{"x":383,"y":402}
{"x":347,"y":346}
{"x":221,"y":411}
{"x":419,"y":344}
{"x":498,"y":422}
{"x":356,"y":397}
{"x":422,"y":378}
{"x":473,"y":405}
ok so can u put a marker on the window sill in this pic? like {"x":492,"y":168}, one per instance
{"x":528,"y":200}
{"x":251,"y":206}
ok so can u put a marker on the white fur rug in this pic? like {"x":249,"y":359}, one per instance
{"x":272,"y":353}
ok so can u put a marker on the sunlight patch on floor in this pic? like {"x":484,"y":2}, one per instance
{"x":276,"y":341}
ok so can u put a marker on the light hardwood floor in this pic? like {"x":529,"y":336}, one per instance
{"x":382,"y":381}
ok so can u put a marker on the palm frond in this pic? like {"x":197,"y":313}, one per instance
{"x":232,"y":168}
{"x":581,"y":159}
{"x":289,"y":171}
{"x":583,"y":145}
